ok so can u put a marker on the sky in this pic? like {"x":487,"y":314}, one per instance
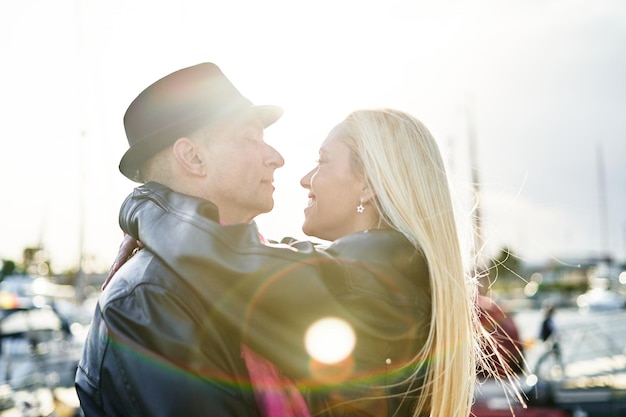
{"x":538,"y":86}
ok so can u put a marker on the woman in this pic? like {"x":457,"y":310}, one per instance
{"x":388,"y":163}
{"x":379,"y":192}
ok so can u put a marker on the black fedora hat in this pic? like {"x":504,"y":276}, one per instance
{"x":177,"y":105}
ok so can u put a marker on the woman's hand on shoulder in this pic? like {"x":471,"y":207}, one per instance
{"x":128,"y":248}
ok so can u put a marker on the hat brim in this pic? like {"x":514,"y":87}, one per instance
{"x":267,"y":114}
{"x":140,"y":152}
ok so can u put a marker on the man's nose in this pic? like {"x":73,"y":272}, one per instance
{"x":274,"y":157}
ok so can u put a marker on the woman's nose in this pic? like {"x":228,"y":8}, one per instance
{"x":305,"y":181}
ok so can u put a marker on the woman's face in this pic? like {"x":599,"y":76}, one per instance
{"x":335,"y":191}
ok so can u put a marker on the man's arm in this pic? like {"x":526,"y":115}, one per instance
{"x":272,"y":295}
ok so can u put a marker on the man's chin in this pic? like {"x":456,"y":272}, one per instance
{"x":266,"y":208}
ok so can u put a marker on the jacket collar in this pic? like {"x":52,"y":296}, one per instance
{"x":183,"y":205}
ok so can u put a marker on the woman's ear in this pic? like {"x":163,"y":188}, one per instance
{"x":368,"y":193}
{"x":187,"y":156}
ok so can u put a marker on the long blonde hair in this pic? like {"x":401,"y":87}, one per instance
{"x":402,"y":163}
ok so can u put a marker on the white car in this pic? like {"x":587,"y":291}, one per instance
{"x":600,"y":299}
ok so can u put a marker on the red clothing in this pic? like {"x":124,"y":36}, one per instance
{"x":276,"y":395}
{"x":504,"y":331}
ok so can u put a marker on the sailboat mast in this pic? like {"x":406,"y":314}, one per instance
{"x":82,"y":136}
{"x":473,"y":159}
{"x":603,"y":204}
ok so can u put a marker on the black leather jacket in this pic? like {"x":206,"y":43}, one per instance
{"x":166,"y":334}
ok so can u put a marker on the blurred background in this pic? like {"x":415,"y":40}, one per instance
{"x":526,"y":99}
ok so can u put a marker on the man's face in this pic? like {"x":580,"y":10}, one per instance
{"x":240,"y":170}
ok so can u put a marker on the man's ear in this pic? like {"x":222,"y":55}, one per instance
{"x":186,"y":153}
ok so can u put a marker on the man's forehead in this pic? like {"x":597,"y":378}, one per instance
{"x":238,"y":123}
{"x":247,"y":118}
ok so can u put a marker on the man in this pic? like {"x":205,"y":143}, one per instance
{"x":152,"y":349}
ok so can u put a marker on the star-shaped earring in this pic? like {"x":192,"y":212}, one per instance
{"x":360,"y":208}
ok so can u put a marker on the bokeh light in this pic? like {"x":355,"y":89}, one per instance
{"x":330,"y":340}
